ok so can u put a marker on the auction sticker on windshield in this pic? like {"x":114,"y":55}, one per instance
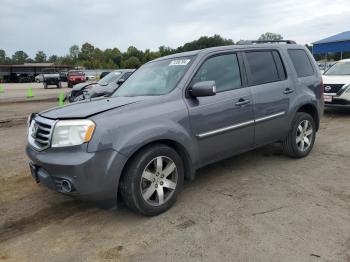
{"x":178,"y":62}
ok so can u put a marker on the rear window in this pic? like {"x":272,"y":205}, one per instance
{"x":301,"y":62}
{"x":262,"y":67}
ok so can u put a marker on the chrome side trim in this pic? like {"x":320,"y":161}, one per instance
{"x":229,"y":128}
{"x":269,"y":117}
{"x":224,"y":129}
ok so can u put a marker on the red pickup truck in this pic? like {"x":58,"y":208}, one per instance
{"x":75,"y":77}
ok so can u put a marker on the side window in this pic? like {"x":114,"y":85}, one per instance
{"x":301,"y":62}
{"x":223,"y":69}
{"x":280,"y":67}
{"x":262,"y":67}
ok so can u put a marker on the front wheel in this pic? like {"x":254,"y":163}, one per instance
{"x":152,"y":180}
{"x":301,"y":137}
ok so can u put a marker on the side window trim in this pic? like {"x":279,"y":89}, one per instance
{"x":250,"y":81}
{"x":241,"y":68}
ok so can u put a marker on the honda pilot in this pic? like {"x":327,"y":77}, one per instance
{"x":174,"y":115}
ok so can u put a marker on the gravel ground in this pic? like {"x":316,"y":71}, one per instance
{"x":259,"y":206}
{"x":18,"y":92}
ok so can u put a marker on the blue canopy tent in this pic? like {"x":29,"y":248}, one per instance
{"x":333,"y":44}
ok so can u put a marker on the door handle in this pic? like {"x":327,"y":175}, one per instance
{"x":288,"y":91}
{"x":242,"y":102}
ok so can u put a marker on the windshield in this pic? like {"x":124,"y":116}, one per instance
{"x":340,"y":68}
{"x":155,"y":78}
{"x":109,"y":78}
{"x":76,"y":73}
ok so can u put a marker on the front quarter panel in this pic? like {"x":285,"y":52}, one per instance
{"x":128,"y":129}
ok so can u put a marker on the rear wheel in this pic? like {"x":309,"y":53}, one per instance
{"x":301,"y":137}
{"x":152,"y":180}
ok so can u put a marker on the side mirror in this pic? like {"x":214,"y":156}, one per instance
{"x":120,"y":81}
{"x":204,"y":88}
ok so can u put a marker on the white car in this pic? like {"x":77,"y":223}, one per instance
{"x":336,"y":82}
{"x":39,"y":78}
{"x":90,"y":77}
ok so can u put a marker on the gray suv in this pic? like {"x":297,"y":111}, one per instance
{"x":174,"y":115}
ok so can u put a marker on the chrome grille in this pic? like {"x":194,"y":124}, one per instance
{"x":40,"y":132}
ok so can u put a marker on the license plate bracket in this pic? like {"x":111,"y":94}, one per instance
{"x":328,"y":99}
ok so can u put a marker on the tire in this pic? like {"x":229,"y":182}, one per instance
{"x":300,"y":140}
{"x":142,"y":177}
{"x":45,"y":85}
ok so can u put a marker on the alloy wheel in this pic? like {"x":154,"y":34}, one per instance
{"x":304,"y":135}
{"x":159,"y":180}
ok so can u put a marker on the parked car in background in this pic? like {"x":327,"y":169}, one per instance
{"x":90,"y":77}
{"x":63,"y":76}
{"x":39,"y":78}
{"x":104,"y":86}
{"x":103,"y":74}
{"x":337,"y":84}
{"x":51,"y":77}
{"x":174,"y":115}
{"x":75,"y":77}
{"x":25,"y":78}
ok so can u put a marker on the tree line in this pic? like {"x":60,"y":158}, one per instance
{"x":92,"y":57}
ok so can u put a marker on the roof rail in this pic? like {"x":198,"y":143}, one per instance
{"x":250,"y":42}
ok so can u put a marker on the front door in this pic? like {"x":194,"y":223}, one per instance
{"x":222,"y":124}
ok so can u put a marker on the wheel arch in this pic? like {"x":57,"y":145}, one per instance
{"x":310,"y":109}
{"x":178,"y":147}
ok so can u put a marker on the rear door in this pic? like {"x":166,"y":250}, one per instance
{"x":222,"y":124}
{"x":271,"y":91}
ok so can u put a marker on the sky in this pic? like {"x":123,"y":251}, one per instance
{"x":55,"y":25}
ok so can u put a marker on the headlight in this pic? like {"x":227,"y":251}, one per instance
{"x":72,"y":132}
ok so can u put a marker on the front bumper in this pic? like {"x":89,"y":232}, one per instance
{"x":76,"y":81}
{"x":51,"y":81}
{"x":93,"y":176}
{"x":338,"y":101}
{"x":338,"y":96}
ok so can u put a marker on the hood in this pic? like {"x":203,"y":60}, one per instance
{"x":336,"y":79}
{"x":104,"y":89}
{"x":83,"y":85}
{"x":88,"y":108}
{"x":51,"y":75}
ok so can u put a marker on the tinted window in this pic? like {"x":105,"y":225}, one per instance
{"x":262,"y":67}
{"x":223,"y":69}
{"x":301,"y":62}
{"x":280,"y":67}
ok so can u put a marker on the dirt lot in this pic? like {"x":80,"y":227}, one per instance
{"x":18,"y":92}
{"x":260,"y":206}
